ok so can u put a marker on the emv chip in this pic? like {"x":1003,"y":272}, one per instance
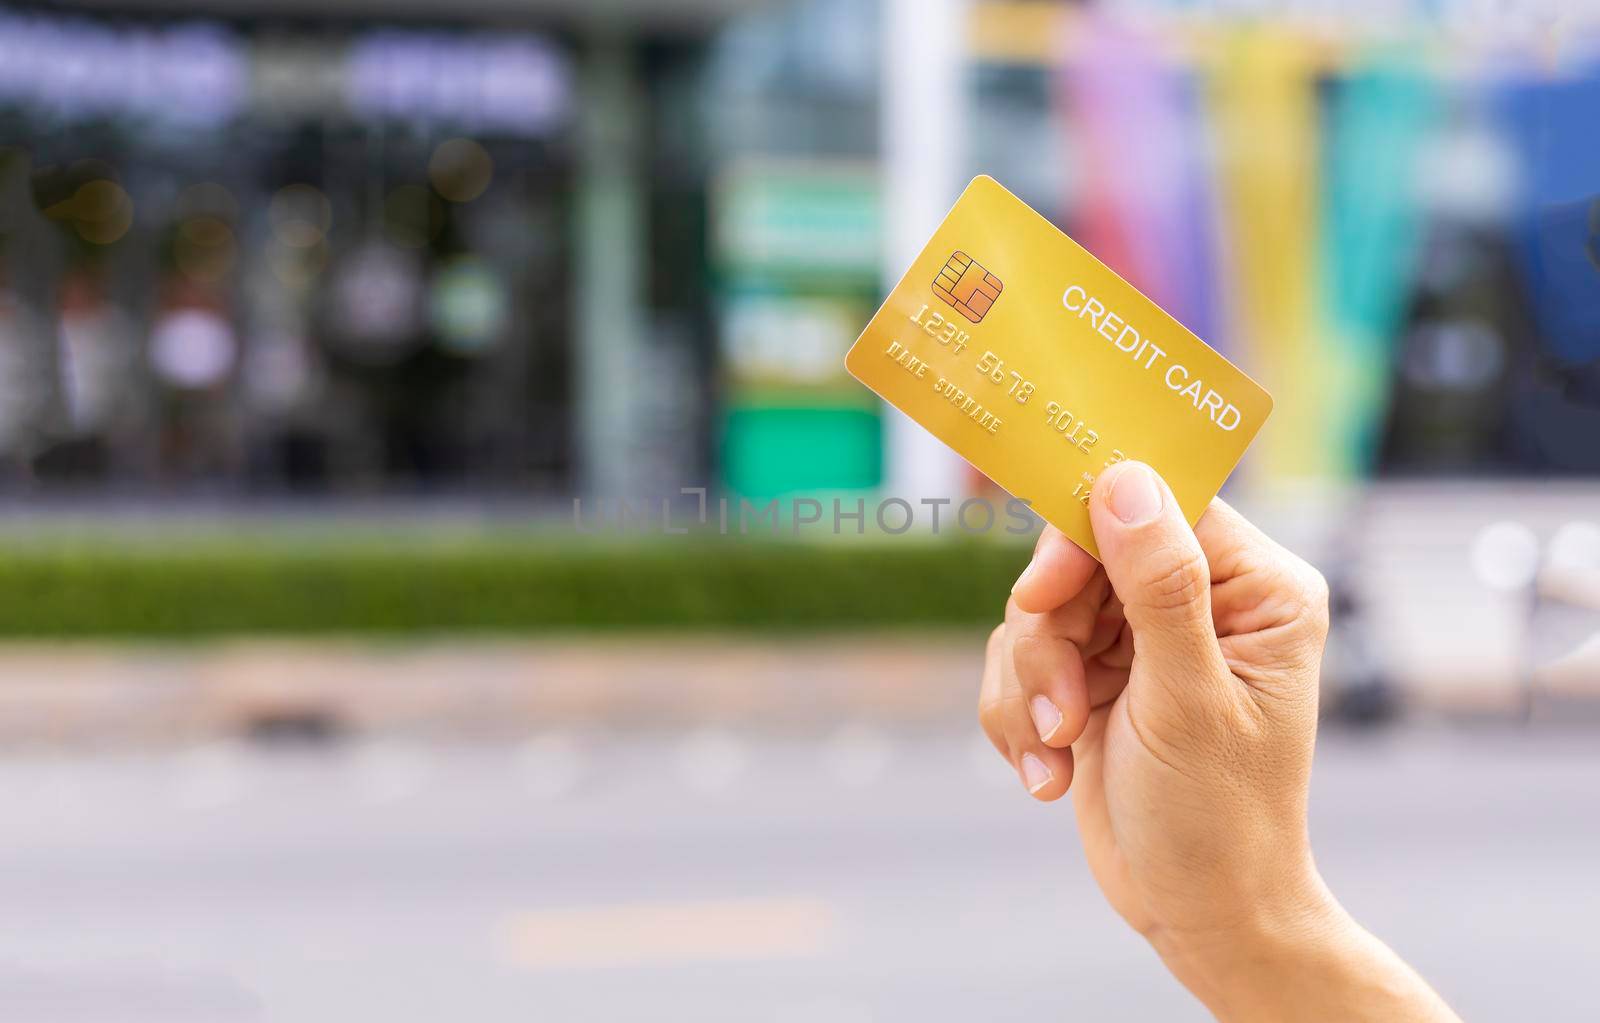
{"x":966,"y":285}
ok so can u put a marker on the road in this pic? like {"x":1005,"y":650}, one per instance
{"x":862,"y":875}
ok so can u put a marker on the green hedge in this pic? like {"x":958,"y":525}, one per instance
{"x":404,"y":584}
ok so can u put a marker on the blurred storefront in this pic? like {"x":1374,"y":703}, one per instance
{"x":554,"y":248}
{"x":347,"y":252}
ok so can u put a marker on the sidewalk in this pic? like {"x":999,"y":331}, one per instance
{"x":132,"y":694}
{"x":138,"y":694}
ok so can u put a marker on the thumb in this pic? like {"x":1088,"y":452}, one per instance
{"x":1160,"y":574}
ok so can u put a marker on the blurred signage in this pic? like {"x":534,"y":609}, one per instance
{"x":202,"y":75}
{"x":513,"y":83}
{"x":796,"y":247}
{"x":779,"y":342}
{"x":77,"y":69}
{"x":799,"y":218}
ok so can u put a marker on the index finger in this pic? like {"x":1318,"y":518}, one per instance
{"x":1058,"y":572}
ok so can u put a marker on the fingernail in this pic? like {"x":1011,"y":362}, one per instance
{"x":1136,"y":496}
{"x":1024,"y":576}
{"x":1046,"y":716}
{"x":1034,"y":774}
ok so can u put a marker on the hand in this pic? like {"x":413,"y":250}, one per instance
{"x":1174,"y":691}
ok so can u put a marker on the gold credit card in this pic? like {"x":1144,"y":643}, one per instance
{"x":1012,"y":344}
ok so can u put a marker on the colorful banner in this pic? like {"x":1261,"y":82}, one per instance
{"x":1381,"y":115}
{"x":1262,"y":100}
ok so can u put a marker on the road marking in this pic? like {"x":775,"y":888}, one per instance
{"x":381,"y":773}
{"x":550,"y":765}
{"x":858,"y":754}
{"x":669,"y":933}
{"x":209,"y":777}
{"x":712,"y":760}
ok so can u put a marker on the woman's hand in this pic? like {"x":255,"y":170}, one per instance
{"x":1174,"y":691}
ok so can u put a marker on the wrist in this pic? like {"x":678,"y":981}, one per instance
{"x":1307,"y":959}
{"x":1255,"y":968}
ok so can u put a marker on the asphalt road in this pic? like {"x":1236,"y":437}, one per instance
{"x":858,"y":876}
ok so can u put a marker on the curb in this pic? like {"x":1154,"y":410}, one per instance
{"x":142,"y":695}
